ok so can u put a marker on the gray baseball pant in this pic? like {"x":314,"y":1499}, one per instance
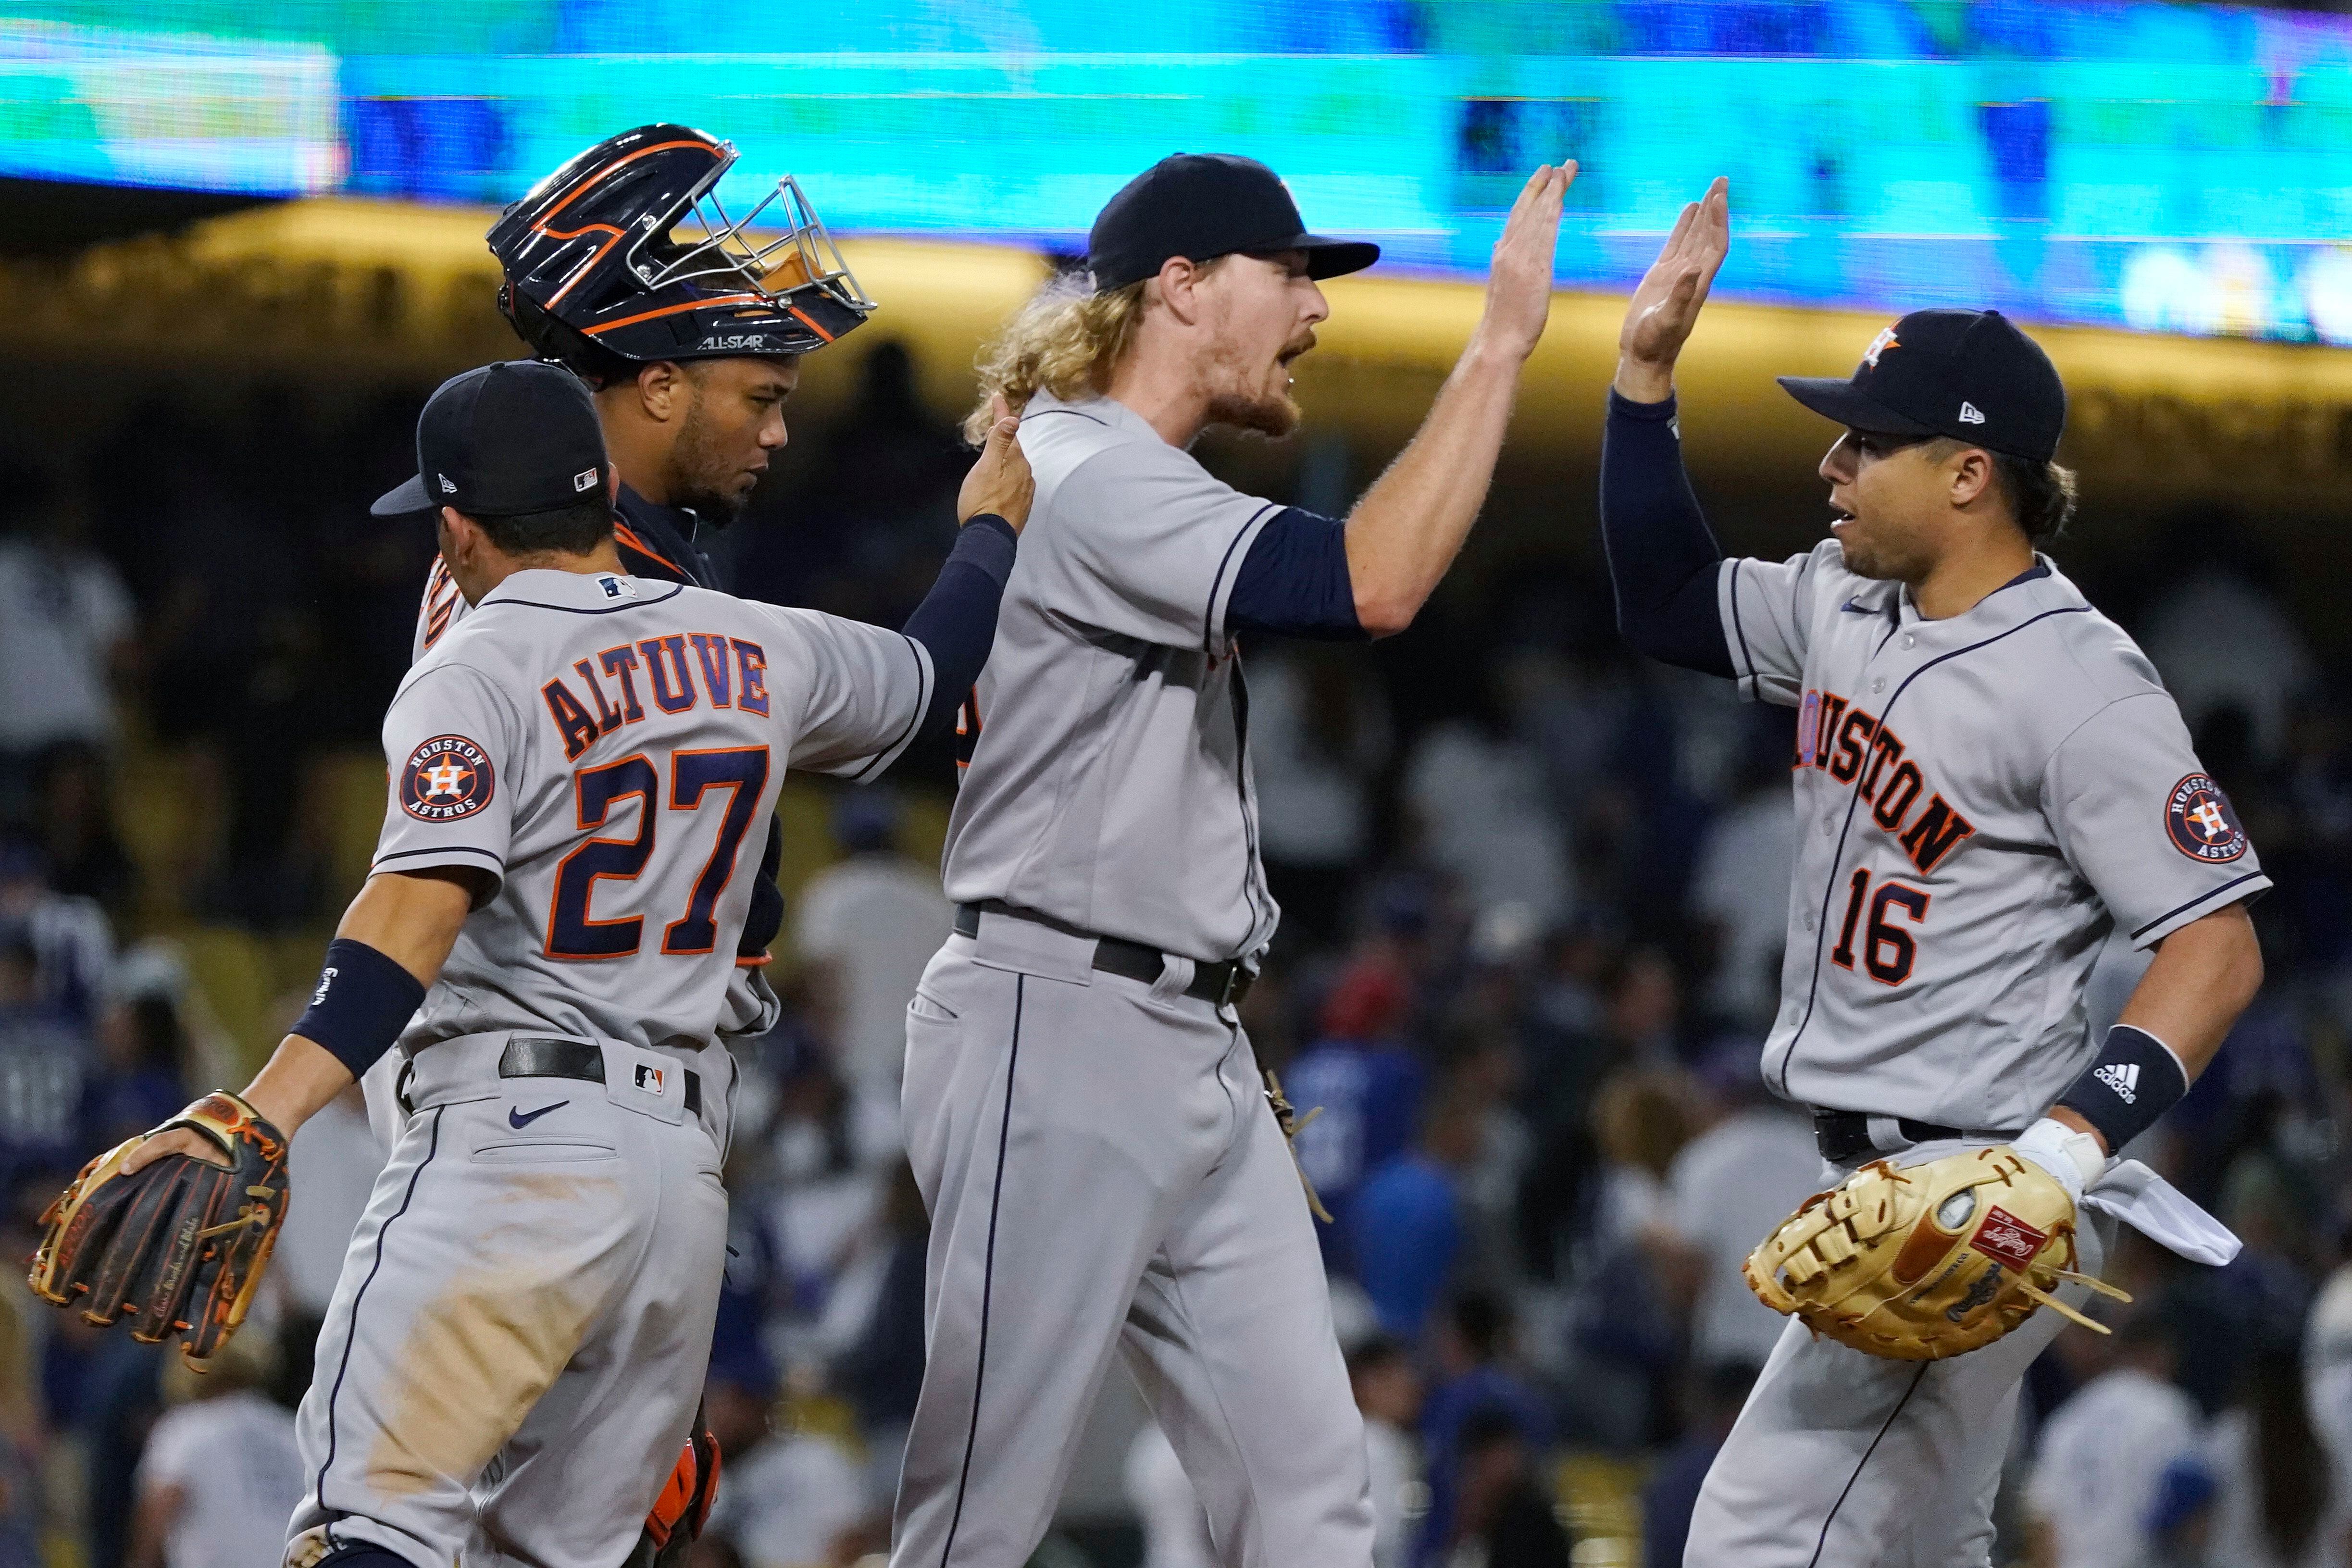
{"x":1841,"y":1459}
{"x":1104,"y":1175}
{"x":514,"y":1351}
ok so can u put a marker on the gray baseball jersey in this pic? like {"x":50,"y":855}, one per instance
{"x":1108,"y":790}
{"x":605,"y":746}
{"x":1980,"y":799}
{"x":1108,"y":784}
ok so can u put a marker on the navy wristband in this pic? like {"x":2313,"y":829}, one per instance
{"x":2134,"y":1080}
{"x":363,"y":1001}
{"x":992,"y":544}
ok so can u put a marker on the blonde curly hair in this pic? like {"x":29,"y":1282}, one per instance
{"x":1066,"y":340}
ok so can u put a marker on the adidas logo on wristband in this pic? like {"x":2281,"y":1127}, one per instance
{"x":2121,"y":1077}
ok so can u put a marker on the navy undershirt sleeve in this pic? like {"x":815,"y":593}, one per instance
{"x":956,"y":622}
{"x":1662,"y":558}
{"x":1294,"y":582}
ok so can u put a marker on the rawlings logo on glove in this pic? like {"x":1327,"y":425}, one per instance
{"x":1933,"y":1260}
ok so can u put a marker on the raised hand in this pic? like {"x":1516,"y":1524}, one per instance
{"x":1518,"y":281}
{"x":1000,"y":482}
{"x":1664,"y":310}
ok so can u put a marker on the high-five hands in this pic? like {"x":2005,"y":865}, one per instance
{"x":1664,"y":310}
{"x":1518,"y":280}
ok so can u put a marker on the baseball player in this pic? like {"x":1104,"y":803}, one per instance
{"x":691,"y":336}
{"x":515,"y":1349}
{"x":1104,"y":1171}
{"x":1988,"y":778}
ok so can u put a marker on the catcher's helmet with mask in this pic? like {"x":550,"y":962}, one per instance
{"x":625,"y":256}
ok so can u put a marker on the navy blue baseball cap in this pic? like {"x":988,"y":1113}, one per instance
{"x":1204,"y":206}
{"x":517,"y":437}
{"x":1969,"y":374}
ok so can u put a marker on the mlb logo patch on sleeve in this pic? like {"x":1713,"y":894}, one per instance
{"x":446,"y":778}
{"x":2202,"y":826}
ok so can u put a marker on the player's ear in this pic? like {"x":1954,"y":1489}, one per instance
{"x":1971,"y":472}
{"x":1177,"y":285}
{"x":660,"y":390}
{"x":462,"y":538}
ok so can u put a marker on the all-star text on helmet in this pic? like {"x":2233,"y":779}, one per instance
{"x":626,"y":257}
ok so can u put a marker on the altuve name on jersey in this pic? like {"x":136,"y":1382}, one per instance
{"x":731,"y":671}
{"x":1846,"y":742}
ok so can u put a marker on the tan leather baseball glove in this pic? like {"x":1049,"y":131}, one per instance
{"x":1927,"y":1261}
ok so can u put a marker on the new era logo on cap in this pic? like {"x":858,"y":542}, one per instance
{"x":1970,"y":413}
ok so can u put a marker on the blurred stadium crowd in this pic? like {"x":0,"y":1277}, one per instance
{"x":1534,"y":892}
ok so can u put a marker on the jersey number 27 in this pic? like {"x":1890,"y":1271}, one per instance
{"x":571,"y":933}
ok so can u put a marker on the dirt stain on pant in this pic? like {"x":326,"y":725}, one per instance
{"x":480,"y":1354}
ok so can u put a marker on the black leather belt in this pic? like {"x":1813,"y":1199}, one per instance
{"x":581,"y":1059}
{"x":1216,"y":983}
{"x":1844,"y":1136}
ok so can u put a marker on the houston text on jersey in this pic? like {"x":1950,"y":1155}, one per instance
{"x":1844,"y":741}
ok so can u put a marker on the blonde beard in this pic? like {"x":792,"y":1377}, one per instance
{"x":1275,"y":415}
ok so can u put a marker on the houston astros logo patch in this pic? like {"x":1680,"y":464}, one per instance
{"x":2203,"y":827}
{"x":448,"y":777}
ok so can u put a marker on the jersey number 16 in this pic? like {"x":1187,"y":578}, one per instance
{"x":571,"y":933}
{"x":1888,"y":950}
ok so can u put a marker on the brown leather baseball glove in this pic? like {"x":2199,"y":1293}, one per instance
{"x":1927,"y":1261}
{"x":178,"y":1246}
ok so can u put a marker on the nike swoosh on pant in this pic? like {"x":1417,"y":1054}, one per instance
{"x":517,"y":1118}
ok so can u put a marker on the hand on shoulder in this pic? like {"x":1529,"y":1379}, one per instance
{"x":1000,"y":483}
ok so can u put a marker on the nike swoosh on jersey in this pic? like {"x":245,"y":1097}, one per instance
{"x":517,"y":1118}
